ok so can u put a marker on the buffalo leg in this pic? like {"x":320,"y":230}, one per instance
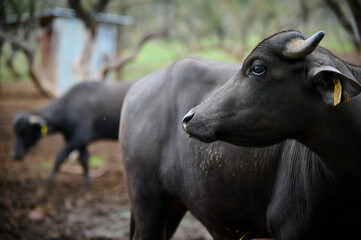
{"x":155,"y":217}
{"x":83,"y":158}
{"x":168,"y":228}
{"x":62,"y":155}
{"x":175,"y":214}
{"x":132,"y":226}
{"x":149,"y":215}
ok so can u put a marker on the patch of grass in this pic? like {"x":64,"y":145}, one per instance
{"x":47,"y":165}
{"x":121,"y":213}
{"x":96,"y":162}
{"x":158,"y":54}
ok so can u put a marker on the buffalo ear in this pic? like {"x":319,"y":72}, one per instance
{"x":35,"y":120}
{"x":333,"y":85}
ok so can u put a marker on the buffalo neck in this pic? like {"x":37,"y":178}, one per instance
{"x":50,"y":117}
{"x":336,"y":132}
{"x":337,"y":139}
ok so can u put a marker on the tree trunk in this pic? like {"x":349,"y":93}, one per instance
{"x":10,"y":65}
{"x":353,"y":26}
{"x":119,"y":63}
{"x":82,"y":63}
{"x":355,"y":7}
{"x":36,"y":77}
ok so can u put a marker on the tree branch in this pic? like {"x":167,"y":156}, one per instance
{"x":30,"y":22}
{"x":162,"y":32}
{"x":102,"y":4}
{"x":354,"y":32}
{"x":34,"y":73}
{"x":2,"y":23}
{"x":334,"y":6}
{"x":10,"y":65}
{"x":16,"y":10}
{"x":86,"y":17}
{"x":355,"y":7}
{"x":121,"y":62}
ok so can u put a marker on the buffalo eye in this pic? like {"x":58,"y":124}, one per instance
{"x":258,"y":70}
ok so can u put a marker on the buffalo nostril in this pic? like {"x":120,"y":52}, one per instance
{"x":187,"y":118}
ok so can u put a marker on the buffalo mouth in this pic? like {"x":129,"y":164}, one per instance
{"x":200,"y":136}
{"x":198,"y":128}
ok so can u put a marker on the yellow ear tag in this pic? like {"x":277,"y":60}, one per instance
{"x":44,"y":131}
{"x":337,"y":92}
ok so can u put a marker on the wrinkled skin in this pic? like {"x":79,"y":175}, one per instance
{"x":88,"y":112}
{"x":273,"y":98}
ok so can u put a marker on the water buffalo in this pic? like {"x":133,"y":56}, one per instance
{"x":87,"y":112}
{"x":289,"y":88}
{"x":230,"y":189}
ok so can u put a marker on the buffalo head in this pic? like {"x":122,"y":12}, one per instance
{"x":287,"y":87}
{"x":28,"y":128}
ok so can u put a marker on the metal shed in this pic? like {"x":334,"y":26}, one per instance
{"x":62,"y":41}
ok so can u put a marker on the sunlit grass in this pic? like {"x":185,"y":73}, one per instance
{"x":20,"y":64}
{"x":158,"y":54}
{"x":96,"y":162}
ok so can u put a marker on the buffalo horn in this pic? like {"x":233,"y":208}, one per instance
{"x":299,"y":48}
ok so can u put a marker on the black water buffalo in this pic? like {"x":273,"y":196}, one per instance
{"x":87,"y":112}
{"x":289,"y":88}
{"x":234,"y":191}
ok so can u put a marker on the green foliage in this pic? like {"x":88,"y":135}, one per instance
{"x":20,"y":64}
{"x":96,"y":162}
{"x":199,"y":28}
{"x":158,"y":54}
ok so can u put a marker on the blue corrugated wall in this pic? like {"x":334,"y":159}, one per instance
{"x":69,"y":39}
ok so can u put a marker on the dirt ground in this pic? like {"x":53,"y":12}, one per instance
{"x":66,"y":211}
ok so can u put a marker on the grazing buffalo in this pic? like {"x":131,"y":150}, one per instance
{"x":289,"y":88}
{"x":232,"y":190}
{"x":89,"y":111}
